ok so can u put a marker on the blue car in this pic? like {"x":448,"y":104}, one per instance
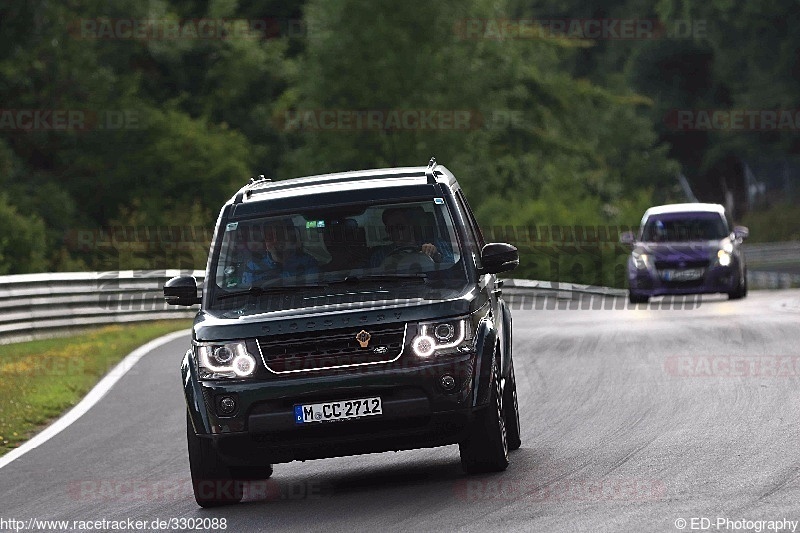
{"x":686,"y":249}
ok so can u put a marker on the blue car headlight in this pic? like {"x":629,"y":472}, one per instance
{"x":641,"y":261}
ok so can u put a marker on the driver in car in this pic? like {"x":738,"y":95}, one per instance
{"x":405,"y":235}
{"x":283,"y":256}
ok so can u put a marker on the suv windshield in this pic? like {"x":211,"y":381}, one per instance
{"x":685,"y":227}
{"x":335,"y":255}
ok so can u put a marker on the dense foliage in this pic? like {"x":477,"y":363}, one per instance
{"x":559,"y":131}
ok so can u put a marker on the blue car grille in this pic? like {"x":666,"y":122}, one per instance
{"x":661,"y":264}
{"x":683,"y":284}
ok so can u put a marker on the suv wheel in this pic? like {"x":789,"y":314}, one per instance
{"x":212,"y":481}
{"x":251,"y":473}
{"x":511,"y":408}
{"x":486,"y":447}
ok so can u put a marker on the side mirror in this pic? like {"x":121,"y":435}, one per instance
{"x":499,"y":257}
{"x":741,"y":232}
{"x":181,"y":290}
{"x":627,"y":237}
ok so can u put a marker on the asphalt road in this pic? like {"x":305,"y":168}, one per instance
{"x":632,"y":420}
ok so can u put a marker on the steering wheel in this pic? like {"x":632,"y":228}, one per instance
{"x":405,"y":250}
{"x":409,"y":258}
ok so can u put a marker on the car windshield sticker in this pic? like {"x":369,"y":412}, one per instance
{"x":231,"y":226}
{"x":438,"y":201}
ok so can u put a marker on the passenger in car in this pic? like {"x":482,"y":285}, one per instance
{"x":283,"y":256}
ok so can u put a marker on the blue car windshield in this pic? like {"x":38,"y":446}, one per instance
{"x":685,"y":227}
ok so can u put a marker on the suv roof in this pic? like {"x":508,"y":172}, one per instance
{"x":257,"y":189}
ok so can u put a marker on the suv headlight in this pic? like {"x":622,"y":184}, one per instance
{"x":443,"y":337}
{"x":723,"y":258}
{"x":220,"y":360}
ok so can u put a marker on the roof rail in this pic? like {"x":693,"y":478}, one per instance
{"x":247,"y":189}
{"x":429,"y":171}
{"x":256,"y":179}
{"x":255,"y":183}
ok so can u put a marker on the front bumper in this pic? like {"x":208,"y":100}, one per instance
{"x":417,"y":412}
{"x":716,"y":279}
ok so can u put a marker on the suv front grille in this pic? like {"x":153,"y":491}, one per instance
{"x":336,"y":348}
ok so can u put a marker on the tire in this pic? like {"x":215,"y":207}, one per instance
{"x":741,"y":289}
{"x":637,"y":298}
{"x":486,"y":447}
{"x":511,"y":408}
{"x":212,"y":481}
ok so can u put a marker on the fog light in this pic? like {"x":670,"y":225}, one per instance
{"x":448,"y":382}
{"x":227,"y":405}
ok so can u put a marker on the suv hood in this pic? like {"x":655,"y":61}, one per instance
{"x":217,"y":326}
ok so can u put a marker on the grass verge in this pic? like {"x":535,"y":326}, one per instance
{"x":41,"y":379}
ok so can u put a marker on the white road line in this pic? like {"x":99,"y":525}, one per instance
{"x":94,"y":396}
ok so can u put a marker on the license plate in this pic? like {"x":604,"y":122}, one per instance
{"x":682,"y":275}
{"x":341,"y":410}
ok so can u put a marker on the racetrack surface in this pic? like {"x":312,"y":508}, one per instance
{"x":632,"y":419}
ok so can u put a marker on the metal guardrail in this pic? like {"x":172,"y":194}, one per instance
{"x":773,"y":265}
{"x":757,"y":279}
{"x":773,"y":253}
{"x":36,"y":306}
{"x":45,"y":305}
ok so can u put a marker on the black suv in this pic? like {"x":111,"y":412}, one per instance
{"x":343,"y":314}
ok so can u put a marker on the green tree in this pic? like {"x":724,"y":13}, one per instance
{"x":22,"y":242}
{"x":164,"y":123}
{"x":550,"y":148}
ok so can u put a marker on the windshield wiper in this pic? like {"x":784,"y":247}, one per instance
{"x":381,"y":277}
{"x":256,"y":290}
